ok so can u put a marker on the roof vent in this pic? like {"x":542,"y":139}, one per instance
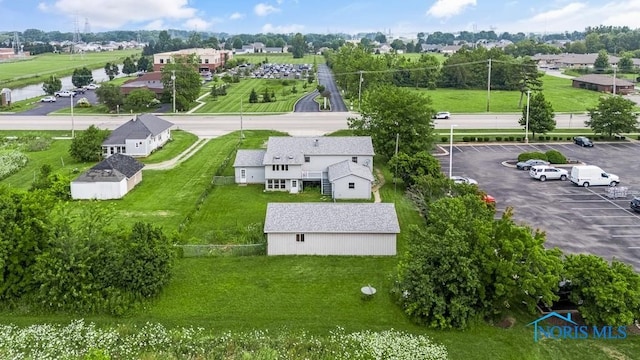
{"x":290,"y":157}
{"x":277,"y":157}
{"x":315,"y":143}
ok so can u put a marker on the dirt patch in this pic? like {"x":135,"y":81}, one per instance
{"x":506,"y":323}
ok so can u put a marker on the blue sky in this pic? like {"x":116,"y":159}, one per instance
{"x":401,"y":17}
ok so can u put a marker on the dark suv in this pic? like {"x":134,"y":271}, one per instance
{"x":635,"y":204}
{"x":582,"y":141}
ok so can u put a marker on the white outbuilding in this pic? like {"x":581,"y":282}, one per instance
{"x":111,"y":178}
{"x":331,"y":229}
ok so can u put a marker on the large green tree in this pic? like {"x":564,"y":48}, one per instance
{"x":607,"y":293}
{"x":613,"y":115}
{"x":144,"y":64}
{"x":298,"y":46}
{"x":410,"y":167}
{"x":139,"y":100}
{"x":81,"y":77}
{"x":387,"y":113}
{"x":110,"y":95}
{"x":112,"y":70}
{"x":87,"y":145}
{"x":51,"y":85}
{"x":188,"y":81}
{"x":541,"y":115}
{"x":602,"y":61}
{"x":128,"y":66}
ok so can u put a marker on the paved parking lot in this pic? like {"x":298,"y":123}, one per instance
{"x":576,"y":219}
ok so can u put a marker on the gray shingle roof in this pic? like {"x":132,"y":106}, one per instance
{"x":249,"y":158}
{"x":331,"y":218}
{"x":347,"y":167}
{"x":292,"y":149}
{"x":605,"y":80}
{"x":139,"y":127}
{"x":114,"y":168}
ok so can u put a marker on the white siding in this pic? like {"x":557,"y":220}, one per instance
{"x":254,"y":175}
{"x":322,"y":162}
{"x":98,"y":190}
{"x":331,"y":244}
{"x":294,"y":172}
{"x":138,"y":147}
{"x":361,"y":190}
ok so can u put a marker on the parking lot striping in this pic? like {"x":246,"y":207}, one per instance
{"x":626,"y":225}
{"x":474,"y":148}
{"x":583,"y":208}
{"x":613,"y":203}
{"x":581,"y":201}
{"x":634,"y":247}
{"x":608,"y":216}
{"x":625,"y":236}
{"x":458,"y":148}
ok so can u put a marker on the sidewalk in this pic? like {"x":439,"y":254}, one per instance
{"x":170,"y":164}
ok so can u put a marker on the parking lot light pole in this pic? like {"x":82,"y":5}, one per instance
{"x":73,"y":134}
{"x":526,"y":127}
{"x":173,"y":84}
{"x":451,"y":150}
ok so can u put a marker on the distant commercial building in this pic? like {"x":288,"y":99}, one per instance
{"x":210,"y":59}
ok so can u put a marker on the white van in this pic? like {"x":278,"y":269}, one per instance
{"x":589,"y":175}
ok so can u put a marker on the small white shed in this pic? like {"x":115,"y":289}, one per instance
{"x":112,"y":178}
{"x":331,"y":229}
{"x":350,"y":180}
{"x":248,"y":166}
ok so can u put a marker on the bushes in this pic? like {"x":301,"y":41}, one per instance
{"x":556,"y":157}
{"x":552,"y":156}
{"x":11,"y":161}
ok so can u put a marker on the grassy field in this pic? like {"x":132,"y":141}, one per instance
{"x":314,"y":294}
{"x":34,"y":69}
{"x":236,"y":92}
{"x":563,"y":98}
{"x":416,"y":56}
{"x":180,"y":141}
{"x":286,"y":58}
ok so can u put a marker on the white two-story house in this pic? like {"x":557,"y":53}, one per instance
{"x":138,"y":137}
{"x":341,"y":166}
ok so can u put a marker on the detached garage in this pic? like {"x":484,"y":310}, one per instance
{"x":111,"y":178}
{"x":331,"y":229}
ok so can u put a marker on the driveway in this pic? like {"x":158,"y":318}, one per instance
{"x":575,"y":219}
{"x":62,"y":102}
{"x":307,"y":104}
{"x":325,"y":77}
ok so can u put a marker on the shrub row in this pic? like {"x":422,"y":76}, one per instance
{"x":507,"y":138}
{"x":552,"y":156}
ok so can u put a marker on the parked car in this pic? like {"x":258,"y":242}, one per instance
{"x":635,"y":204}
{"x":527,"y":165}
{"x":590,"y":175}
{"x":463,"y":180}
{"x":545,"y":172}
{"x":582,"y":141}
{"x":64,"y":93}
{"x":79,"y":90}
{"x":489,"y":200}
{"x":92,"y":86}
{"x":48,"y":99}
{"x":442,"y":115}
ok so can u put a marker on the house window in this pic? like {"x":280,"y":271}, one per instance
{"x":269,"y":184}
{"x":273,"y":168}
{"x":299,"y":237}
{"x":137,"y":144}
{"x":206,"y":61}
{"x":307,"y":159}
{"x":354,"y":159}
{"x":285,"y":167}
{"x":352,"y":185}
{"x":161,"y":61}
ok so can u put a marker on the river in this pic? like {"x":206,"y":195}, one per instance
{"x":31,"y":91}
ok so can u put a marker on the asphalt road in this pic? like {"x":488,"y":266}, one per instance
{"x":62,"y":102}
{"x":575,"y":219}
{"x":307,"y":103}
{"x":325,"y":77}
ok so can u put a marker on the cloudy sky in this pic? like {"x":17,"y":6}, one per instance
{"x":326,"y":16}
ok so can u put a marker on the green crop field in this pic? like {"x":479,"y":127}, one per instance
{"x":236,"y":92}
{"x":35,"y":69}
{"x":286,"y":58}
{"x":563,"y":98}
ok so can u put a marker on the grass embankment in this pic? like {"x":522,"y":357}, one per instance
{"x":286,"y":58}
{"x":237,"y":92}
{"x":35,"y":69}
{"x":311,"y":293}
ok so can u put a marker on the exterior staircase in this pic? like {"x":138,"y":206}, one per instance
{"x":326,"y":187}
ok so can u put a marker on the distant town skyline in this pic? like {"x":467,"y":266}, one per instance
{"x":329,"y":16}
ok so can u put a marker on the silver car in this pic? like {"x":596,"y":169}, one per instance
{"x":463,"y":180}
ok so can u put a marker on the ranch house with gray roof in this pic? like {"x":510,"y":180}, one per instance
{"x":331,"y":228}
{"x":138,"y":137}
{"x":341,"y":166}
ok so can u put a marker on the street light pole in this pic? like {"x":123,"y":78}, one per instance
{"x":173,"y":82}
{"x":451,"y":150}
{"x":73,"y":134}
{"x":526,"y":127}
{"x":241,"y":133}
{"x":360,"y":90}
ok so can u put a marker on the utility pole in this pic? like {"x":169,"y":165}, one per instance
{"x":241,"y":130}
{"x":173,"y":83}
{"x":489,"y":86}
{"x":526,"y":128}
{"x":73,"y":132}
{"x":360,"y":90}
{"x":614,"y":79}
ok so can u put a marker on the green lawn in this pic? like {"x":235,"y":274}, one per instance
{"x":34,"y":69}
{"x":180,"y":141}
{"x":563,"y":98}
{"x":236,"y":92}
{"x":286,"y":58}
{"x":415,"y":56}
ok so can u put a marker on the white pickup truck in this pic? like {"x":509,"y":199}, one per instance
{"x":64,"y":93}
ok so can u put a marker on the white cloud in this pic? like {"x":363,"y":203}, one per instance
{"x":236,"y":16}
{"x":449,"y":8}
{"x":265,"y":9}
{"x":155,"y":25}
{"x":116,"y":13}
{"x":196,"y":24}
{"x":282,"y":29}
{"x":279,"y":2}
{"x":577,"y":16}
{"x":42,"y":6}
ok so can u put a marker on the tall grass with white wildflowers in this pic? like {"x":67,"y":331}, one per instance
{"x":80,"y":340}
{"x":11,"y":161}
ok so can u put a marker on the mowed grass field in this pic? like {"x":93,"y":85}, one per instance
{"x":36,"y":68}
{"x":237,"y":92}
{"x":558,"y":91}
